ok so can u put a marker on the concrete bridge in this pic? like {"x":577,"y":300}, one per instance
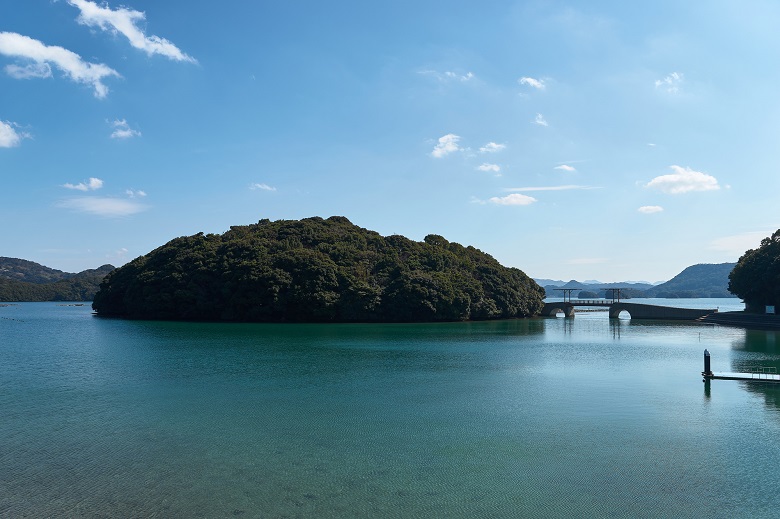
{"x":635,"y":310}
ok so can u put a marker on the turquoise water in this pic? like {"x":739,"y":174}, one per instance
{"x":582,"y":417}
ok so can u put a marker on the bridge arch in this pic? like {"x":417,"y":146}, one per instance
{"x":552,"y":309}
{"x":616,"y":309}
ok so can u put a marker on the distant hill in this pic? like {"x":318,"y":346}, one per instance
{"x":22,"y":280}
{"x":542,"y":282}
{"x":704,"y":280}
{"x":29,"y":271}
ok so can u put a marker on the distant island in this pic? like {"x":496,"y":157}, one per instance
{"x":22,"y":280}
{"x":316,"y":270}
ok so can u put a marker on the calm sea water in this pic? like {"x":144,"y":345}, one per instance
{"x":583,"y":417}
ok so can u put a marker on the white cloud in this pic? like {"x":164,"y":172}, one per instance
{"x":459,"y":77}
{"x":107,"y":207}
{"x":90,"y":185}
{"x":684,"y":180}
{"x":489,"y":167}
{"x":540,"y":120}
{"x":448,"y":76}
{"x":122,"y":130}
{"x":30,"y":71}
{"x":132,"y":193}
{"x":740,"y":243}
{"x":513,"y":199}
{"x":9,"y":137}
{"x":492,"y":147}
{"x":565,"y":167}
{"x":670,"y":83}
{"x":534,"y":83}
{"x":447,"y":144}
{"x":124,"y":21}
{"x":264,"y":187}
{"x":19,"y":46}
{"x":549,"y":188}
{"x":650,"y":209}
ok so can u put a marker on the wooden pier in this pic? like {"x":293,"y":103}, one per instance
{"x":762,"y":374}
{"x":755,"y":377}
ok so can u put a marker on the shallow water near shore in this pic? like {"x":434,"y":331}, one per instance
{"x":583,"y":417}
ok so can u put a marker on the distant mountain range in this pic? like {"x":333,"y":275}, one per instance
{"x":704,"y":280}
{"x":22,"y":280}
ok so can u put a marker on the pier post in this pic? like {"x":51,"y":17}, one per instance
{"x":707,"y":371}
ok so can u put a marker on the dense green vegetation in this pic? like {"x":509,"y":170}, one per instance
{"x":22,"y":280}
{"x":316,"y":270}
{"x":756,"y":278}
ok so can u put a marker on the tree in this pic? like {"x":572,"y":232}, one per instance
{"x":756,"y":277}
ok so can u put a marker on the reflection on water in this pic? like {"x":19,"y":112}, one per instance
{"x":583,"y":417}
{"x":758,"y":350}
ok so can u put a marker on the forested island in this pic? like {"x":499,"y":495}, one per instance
{"x":316,"y":270}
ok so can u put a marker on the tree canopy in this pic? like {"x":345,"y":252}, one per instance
{"x":756,"y":277}
{"x":316,"y":270}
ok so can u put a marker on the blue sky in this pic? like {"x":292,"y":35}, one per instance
{"x":602,"y":140}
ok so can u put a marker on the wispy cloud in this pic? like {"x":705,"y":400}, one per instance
{"x":548,"y":188}
{"x":135,"y":193}
{"x":670,"y":83}
{"x":125,"y":21}
{"x":540,"y":120}
{"x":9,"y":136}
{"x":103,"y":206}
{"x":122,"y":130}
{"x":447,"y":144}
{"x":92,"y":184}
{"x":650,"y":209}
{"x":448,"y":76}
{"x":18,"y":46}
{"x":492,"y":147}
{"x":684,"y":180}
{"x":29,"y":71}
{"x":513,"y":199}
{"x":565,"y":167}
{"x":263,"y":187}
{"x":532,"y":82}
{"x":495,"y":168}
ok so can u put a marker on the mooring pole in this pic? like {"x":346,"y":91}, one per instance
{"x":707,"y":371}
